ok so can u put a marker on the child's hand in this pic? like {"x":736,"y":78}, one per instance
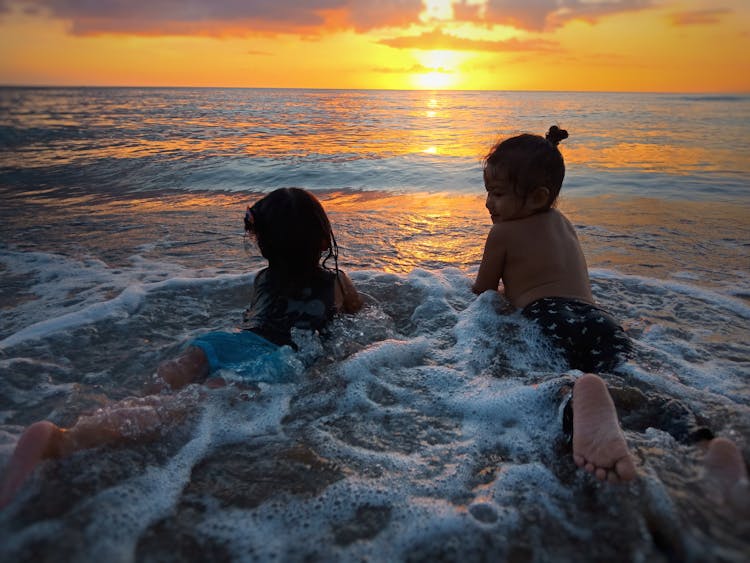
{"x":215,"y":383}
{"x":347,"y":298}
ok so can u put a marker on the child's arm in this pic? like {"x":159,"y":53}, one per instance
{"x":346,"y":296}
{"x":493,"y":262}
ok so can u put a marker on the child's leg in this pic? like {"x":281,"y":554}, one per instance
{"x":190,"y":367}
{"x":599,"y":445}
{"x":131,"y":419}
{"x":39,"y":441}
{"x":726,"y":468}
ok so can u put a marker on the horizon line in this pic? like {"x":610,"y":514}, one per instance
{"x":164,"y":87}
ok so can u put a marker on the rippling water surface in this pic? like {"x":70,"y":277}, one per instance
{"x":425,"y":428}
{"x":137,"y":139}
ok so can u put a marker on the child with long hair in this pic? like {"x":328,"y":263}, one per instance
{"x":296,"y":290}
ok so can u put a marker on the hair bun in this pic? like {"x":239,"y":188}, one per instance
{"x":555,"y":135}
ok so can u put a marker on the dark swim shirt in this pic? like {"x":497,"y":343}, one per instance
{"x":277,"y":305}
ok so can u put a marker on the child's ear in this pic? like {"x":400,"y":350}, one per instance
{"x":540,"y":197}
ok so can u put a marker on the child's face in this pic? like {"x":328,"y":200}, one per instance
{"x":502,"y":201}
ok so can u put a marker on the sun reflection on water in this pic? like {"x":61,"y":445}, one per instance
{"x":419,"y":230}
{"x":382,"y":231}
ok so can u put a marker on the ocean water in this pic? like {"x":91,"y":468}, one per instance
{"x":425,"y":428}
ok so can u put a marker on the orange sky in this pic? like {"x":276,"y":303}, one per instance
{"x":610,"y":45}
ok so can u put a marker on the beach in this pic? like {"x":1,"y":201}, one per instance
{"x":427,"y":427}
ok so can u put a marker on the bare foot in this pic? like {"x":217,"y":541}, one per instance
{"x":39,"y":441}
{"x":599,"y":445}
{"x":726,"y":467}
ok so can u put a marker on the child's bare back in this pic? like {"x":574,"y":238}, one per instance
{"x":535,"y":256}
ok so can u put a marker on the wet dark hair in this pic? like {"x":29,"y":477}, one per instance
{"x":530,"y":162}
{"x":292,"y":231}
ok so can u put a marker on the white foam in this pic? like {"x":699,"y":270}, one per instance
{"x":126,"y":510}
{"x":120,"y":307}
{"x":711,"y":297}
{"x":484,"y":331}
{"x":509,"y":413}
{"x":363,"y":367}
{"x":409,"y":413}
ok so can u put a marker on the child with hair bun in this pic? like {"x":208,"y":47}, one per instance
{"x":296,"y":290}
{"x":533,"y":250}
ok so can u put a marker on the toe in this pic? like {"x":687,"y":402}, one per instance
{"x":625,"y":469}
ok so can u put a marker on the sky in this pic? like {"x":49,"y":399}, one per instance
{"x":575,"y":45}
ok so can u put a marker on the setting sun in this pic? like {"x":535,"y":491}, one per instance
{"x":409,"y":44}
{"x":437,"y":80}
{"x":442,"y":70}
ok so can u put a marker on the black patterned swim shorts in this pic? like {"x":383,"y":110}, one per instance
{"x":590,"y":337}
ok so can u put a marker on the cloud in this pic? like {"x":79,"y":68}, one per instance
{"x":307,"y":17}
{"x":184,"y":17}
{"x":699,"y":17}
{"x":463,"y":11}
{"x":221,"y":17}
{"x":372,"y":14}
{"x":437,"y":40}
{"x":541,"y":15}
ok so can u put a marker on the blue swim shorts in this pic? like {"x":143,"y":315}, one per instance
{"x":246,"y":356}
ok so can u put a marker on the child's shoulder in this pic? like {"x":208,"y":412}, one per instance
{"x":549,"y":217}
{"x":551,"y":223}
{"x":552,"y":218}
{"x":552,"y":214}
